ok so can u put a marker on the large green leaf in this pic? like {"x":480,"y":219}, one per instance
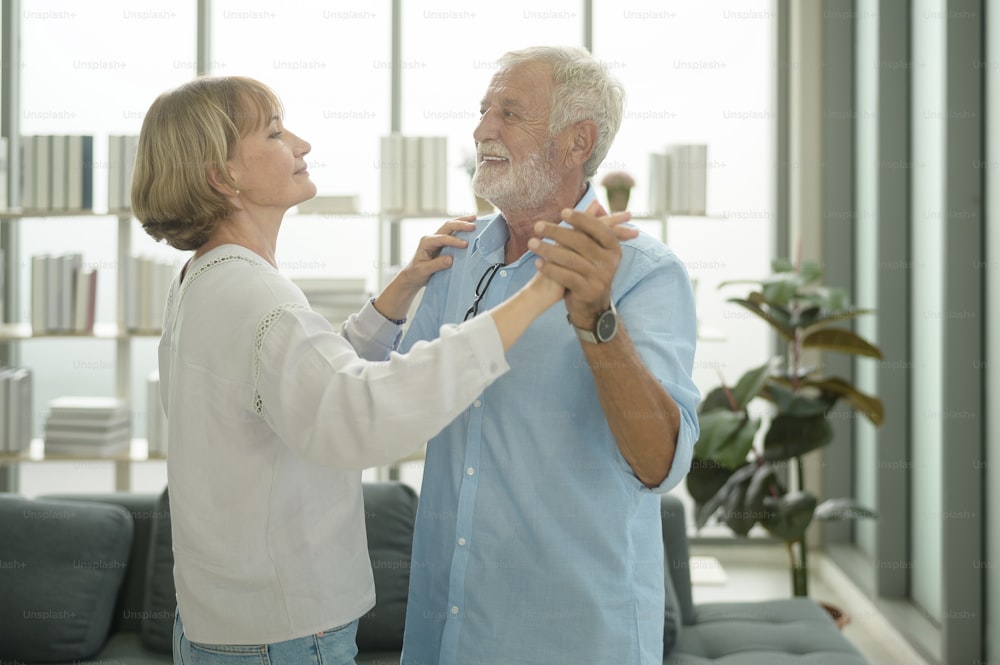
{"x":726,"y":437}
{"x":789,"y":515}
{"x":794,"y":403}
{"x":843,"y":341}
{"x":750,"y":384}
{"x":705,"y":479}
{"x":779,"y":324}
{"x":794,"y":436}
{"x":735,"y":512}
{"x":843,"y":509}
{"x":721,"y":497}
{"x":781,"y":290}
{"x":717,"y":398}
{"x":867,"y":405}
{"x":833,"y":317}
{"x":763,"y":483}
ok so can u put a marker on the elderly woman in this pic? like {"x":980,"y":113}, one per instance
{"x":272,"y":413}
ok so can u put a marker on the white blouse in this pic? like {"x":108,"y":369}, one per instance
{"x":271,"y":415}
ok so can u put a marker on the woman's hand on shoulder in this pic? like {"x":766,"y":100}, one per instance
{"x":428,"y":259}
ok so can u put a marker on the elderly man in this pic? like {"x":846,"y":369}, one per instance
{"x":537,"y":537}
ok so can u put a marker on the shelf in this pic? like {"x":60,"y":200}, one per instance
{"x":42,"y":214}
{"x":22,"y":331}
{"x":138,"y":452}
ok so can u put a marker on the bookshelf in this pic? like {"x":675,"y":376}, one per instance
{"x":15,"y":333}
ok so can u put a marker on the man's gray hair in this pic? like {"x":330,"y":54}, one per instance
{"x":583,"y":89}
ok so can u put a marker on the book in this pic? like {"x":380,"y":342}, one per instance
{"x":85,"y":301}
{"x":4,"y":443}
{"x":59,"y":173}
{"x":129,"y":151}
{"x":43,"y":173}
{"x":27,"y":176}
{"x":116,"y":168}
{"x":411,"y":175}
{"x":88,"y":407}
{"x":112,"y":445}
{"x":391,"y":173}
{"x":15,"y":406}
{"x":80,"y":162}
{"x":4,"y":173}
{"x":70,"y":266}
{"x":39,"y":289}
{"x":433,"y":174}
{"x":659,"y":184}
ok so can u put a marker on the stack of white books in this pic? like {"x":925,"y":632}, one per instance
{"x":88,"y":426}
{"x":63,"y":294}
{"x":15,"y":409}
{"x":333,"y":297}
{"x":413,"y":172}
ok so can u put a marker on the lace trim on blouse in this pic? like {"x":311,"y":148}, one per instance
{"x":263,"y":328}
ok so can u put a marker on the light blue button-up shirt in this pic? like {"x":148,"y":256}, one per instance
{"x":535,"y":542}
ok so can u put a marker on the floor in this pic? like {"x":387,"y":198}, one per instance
{"x":733,"y":572}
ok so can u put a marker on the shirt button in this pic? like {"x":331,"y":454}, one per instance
{"x":470,"y":471}
{"x":477,"y":404}
{"x":503,"y":273}
{"x":461,"y":541}
{"x":454,"y":609}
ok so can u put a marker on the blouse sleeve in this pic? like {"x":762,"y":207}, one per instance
{"x":334,"y":408}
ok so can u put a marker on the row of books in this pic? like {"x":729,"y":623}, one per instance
{"x":57,"y":172}
{"x":63,"y":294}
{"x":88,"y":426}
{"x":678,"y":179}
{"x":147,"y":282}
{"x":15,"y":409}
{"x":414,"y":174}
{"x":121,"y":163}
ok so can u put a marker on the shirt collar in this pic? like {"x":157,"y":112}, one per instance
{"x":494,"y":235}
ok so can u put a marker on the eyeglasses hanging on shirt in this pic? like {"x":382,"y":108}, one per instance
{"x":484,"y":283}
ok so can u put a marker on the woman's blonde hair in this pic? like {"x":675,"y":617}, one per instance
{"x":188,"y":133}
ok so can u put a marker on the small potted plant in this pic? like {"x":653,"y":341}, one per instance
{"x":744,"y":480}
{"x":618,"y":185}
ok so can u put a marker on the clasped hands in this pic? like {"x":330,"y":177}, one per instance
{"x":577,"y":263}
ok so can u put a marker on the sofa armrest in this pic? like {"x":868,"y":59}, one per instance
{"x":677,"y":561}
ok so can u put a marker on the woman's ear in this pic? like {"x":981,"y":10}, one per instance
{"x":220,"y":184}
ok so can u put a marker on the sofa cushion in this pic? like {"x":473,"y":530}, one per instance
{"x":160,"y":597}
{"x":390,"y":510}
{"x":671,"y":613}
{"x":787,"y":631}
{"x":62,"y":566}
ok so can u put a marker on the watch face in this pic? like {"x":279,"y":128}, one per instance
{"x":607,"y":325}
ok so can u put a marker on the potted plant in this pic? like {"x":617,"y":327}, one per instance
{"x":744,"y":479}
{"x":618,"y":186}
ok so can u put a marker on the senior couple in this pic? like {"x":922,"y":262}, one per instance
{"x":541,"y":333}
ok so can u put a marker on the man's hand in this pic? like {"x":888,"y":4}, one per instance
{"x":583,"y":259}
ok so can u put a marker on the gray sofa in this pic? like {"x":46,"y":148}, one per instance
{"x":86,"y":580}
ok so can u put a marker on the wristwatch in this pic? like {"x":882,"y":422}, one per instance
{"x":604,"y":328}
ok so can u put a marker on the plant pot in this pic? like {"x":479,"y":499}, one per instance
{"x":618,"y":198}
{"x":839,"y":615}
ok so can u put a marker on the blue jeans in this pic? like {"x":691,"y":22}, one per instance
{"x":331,"y":647}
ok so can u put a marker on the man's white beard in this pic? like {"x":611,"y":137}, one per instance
{"x":524,"y":186}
